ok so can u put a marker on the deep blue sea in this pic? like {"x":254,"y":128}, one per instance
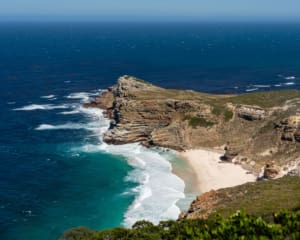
{"x":55,"y":171}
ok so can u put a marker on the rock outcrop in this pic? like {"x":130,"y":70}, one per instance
{"x":290,"y":128}
{"x":230,"y":153}
{"x":271,"y":171}
{"x":202,"y":207}
{"x":142,"y":112}
{"x":251,"y":113}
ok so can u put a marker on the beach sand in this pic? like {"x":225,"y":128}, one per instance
{"x":212,"y":173}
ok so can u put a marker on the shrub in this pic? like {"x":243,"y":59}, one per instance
{"x":228,"y":115}
{"x":198,"y":121}
{"x":284,"y":225}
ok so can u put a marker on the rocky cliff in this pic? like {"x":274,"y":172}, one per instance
{"x":255,"y":129}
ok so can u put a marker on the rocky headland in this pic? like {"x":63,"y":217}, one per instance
{"x":260,"y":131}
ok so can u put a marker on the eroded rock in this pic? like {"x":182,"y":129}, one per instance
{"x":251,"y":113}
{"x":290,"y":128}
{"x":230,"y":153}
{"x":271,"y":171}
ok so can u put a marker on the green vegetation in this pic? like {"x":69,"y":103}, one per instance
{"x":265,"y":99}
{"x":269,"y":210}
{"x":198,"y":121}
{"x":217,"y":109}
{"x":228,"y":115}
{"x":261,"y":198}
{"x":284,"y":225}
{"x":136,"y":79}
{"x":220,"y":109}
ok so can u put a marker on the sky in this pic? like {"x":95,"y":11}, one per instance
{"x":150,"y":9}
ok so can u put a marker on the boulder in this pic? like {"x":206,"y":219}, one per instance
{"x":230,"y":153}
{"x":271,"y":171}
{"x":251,"y":113}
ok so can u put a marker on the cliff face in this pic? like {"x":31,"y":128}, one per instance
{"x":255,"y":128}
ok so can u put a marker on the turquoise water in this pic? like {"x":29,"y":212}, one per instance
{"x":96,"y":184}
{"x":79,"y":199}
{"x":55,"y":171}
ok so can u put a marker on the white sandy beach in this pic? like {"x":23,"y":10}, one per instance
{"x":212,"y":173}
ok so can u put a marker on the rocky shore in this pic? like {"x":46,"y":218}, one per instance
{"x":260,"y":131}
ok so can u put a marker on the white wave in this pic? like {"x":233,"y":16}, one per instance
{"x":289,"y":83}
{"x":41,"y":107}
{"x":45,"y":127}
{"x":11,"y":103}
{"x":251,"y":89}
{"x":67,"y":81}
{"x":287,"y":77}
{"x":94,"y":125}
{"x":154,"y":201}
{"x":284,"y":84}
{"x":261,"y":86}
{"x":290,"y":78}
{"x":70,"y":112}
{"x":66,"y":126}
{"x":84,"y":96}
{"x":48,"y":96}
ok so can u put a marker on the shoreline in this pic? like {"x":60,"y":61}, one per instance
{"x":207,"y":172}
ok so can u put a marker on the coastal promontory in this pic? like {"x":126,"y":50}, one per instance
{"x":256,"y":130}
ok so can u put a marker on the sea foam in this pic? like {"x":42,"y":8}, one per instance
{"x":48,"y":96}
{"x":290,"y":78}
{"x":158,"y":188}
{"x":83,"y":96}
{"x":251,"y":89}
{"x":33,"y":107}
{"x":70,"y":112}
{"x":261,"y":86}
{"x":289,"y":83}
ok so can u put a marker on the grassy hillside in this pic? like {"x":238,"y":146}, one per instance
{"x":258,"y":199}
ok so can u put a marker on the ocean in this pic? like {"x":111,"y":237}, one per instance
{"x":55,"y":171}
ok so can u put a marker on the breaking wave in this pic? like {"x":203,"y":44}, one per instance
{"x":83,"y":96}
{"x":251,"y":89}
{"x":289,"y":83}
{"x":153,"y":201}
{"x":33,"y":107}
{"x":48,"y":96}
{"x":70,"y":112}
{"x":262,"y":86}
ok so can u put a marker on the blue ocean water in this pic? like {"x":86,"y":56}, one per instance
{"x":55,"y":172}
